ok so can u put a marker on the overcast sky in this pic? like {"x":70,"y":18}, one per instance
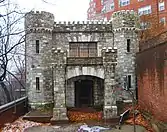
{"x":64,"y":10}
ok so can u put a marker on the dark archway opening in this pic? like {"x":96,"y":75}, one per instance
{"x":83,"y":93}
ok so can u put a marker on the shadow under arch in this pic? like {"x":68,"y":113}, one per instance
{"x":85,"y":91}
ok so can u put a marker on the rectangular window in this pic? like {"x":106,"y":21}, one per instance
{"x":124,"y":2}
{"x":144,"y":10}
{"x":112,"y":6}
{"x":92,"y":49}
{"x":102,"y":1}
{"x":104,"y":9}
{"x":162,"y":20}
{"x":145,"y":25}
{"x":83,"y":49}
{"x":129,"y":81}
{"x":74,"y":50}
{"x":128,"y":45}
{"x":37,"y":46}
{"x":161,"y":6}
{"x":37,"y":83}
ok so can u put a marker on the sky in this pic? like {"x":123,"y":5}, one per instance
{"x":63,"y":10}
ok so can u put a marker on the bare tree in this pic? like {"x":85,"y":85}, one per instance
{"x":51,"y":2}
{"x":11,"y":36}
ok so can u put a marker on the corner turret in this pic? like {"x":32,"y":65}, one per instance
{"x":38,"y":28}
{"x":35,"y":21}
{"x":125,"y":26}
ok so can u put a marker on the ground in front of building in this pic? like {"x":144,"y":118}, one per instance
{"x":75,"y":127}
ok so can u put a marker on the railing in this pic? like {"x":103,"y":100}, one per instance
{"x":84,"y":61}
{"x":11,"y":111}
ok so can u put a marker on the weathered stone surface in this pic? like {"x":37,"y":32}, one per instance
{"x":58,"y":71}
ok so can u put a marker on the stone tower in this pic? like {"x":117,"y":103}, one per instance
{"x":39,"y":26}
{"x":124,"y":26}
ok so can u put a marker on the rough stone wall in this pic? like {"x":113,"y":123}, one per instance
{"x":96,"y":70}
{"x":70,"y":93}
{"x":109,"y":63}
{"x":59,"y":74}
{"x":98,"y":92}
{"x":101,"y":33}
{"x":54,"y":68}
{"x":125,"y":26}
{"x":38,"y":26}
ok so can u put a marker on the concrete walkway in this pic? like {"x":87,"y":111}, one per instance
{"x":128,"y":128}
{"x":74,"y":128}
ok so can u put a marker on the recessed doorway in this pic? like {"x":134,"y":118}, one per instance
{"x":83,"y":93}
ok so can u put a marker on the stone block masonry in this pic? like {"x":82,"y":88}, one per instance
{"x":60,"y":56}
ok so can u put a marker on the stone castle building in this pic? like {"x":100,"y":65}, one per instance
{"x":80,"y":64}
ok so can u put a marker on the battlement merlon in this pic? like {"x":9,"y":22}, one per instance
{"x":83,"y":26}
{"x":37,"y":21}
{"x":125,"y":19}
{"x":44,"y":22}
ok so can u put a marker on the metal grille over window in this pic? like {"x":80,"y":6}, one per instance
{"x":93,"y":50}
{"x":83,"y":49}
{"x":74,"y":49}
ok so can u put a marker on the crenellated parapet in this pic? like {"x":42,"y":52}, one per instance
{"x":39,"y":21}
{"x":125,"y":20}
{"x":109,"y":55}
{"x":59,"y":56}
{"x":44,"y":22}
{"x":83,"y":26}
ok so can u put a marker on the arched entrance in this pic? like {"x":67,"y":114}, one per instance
{"x":85,"y":91}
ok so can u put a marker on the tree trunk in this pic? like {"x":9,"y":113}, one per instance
{"x":6,"y":91}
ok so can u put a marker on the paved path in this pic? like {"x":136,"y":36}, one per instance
{"x":74,"y":128}
{"x":128,"y":128}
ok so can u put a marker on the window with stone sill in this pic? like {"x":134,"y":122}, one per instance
{"x":161,"y":6}
{"x":83,"y":49}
